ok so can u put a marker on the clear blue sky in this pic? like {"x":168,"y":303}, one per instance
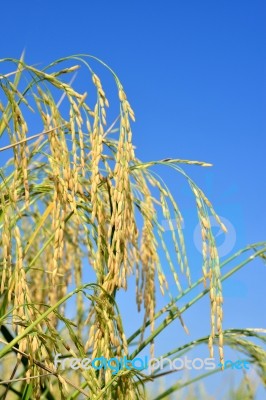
{"x":194,"y":72}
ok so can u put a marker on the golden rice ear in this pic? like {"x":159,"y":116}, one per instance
{"x":76,"y":190}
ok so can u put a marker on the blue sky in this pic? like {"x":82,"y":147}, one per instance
{"x":194,"y":72}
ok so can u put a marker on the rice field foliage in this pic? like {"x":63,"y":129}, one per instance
{"x":73,"y":195}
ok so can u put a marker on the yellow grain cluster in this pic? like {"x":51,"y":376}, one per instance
{"x":78,"y":192}
{"x":211,"y":269}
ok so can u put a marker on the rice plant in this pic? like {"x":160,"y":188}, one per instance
{"x":74,"y":197}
